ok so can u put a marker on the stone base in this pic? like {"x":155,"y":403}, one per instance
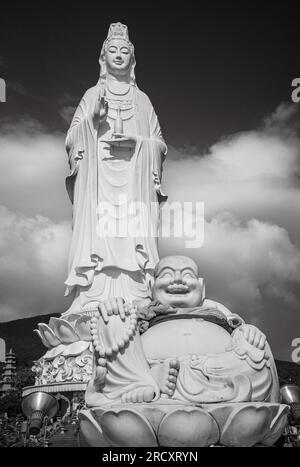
{"x":167,"y":424}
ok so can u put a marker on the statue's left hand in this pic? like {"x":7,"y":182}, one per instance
{"x":112,"y":306}
{"x":123,"y":140}
{"x":253,"y":336}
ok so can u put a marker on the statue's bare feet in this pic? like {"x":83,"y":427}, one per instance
{"x":143,"y":394}
{"x":166,"y":374}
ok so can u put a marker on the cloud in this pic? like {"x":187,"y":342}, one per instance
{"x":33,"y":169}
{"x":285,"y":119}
{"x":35,"y":216}
{"x":67,"y":112}
{"x":33,"y":262}
{"x":68,"y":104}
{"x":17,"y":88}
{"x":253,"y":174}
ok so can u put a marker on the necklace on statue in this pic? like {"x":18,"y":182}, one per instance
{"x":118,"y":93}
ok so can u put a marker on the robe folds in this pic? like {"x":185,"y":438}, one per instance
{"x":103,"y":266}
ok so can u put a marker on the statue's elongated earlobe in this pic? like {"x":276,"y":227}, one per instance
{"x":201,"y":282}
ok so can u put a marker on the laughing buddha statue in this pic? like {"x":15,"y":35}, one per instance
{"x":181,"y":346}
{"x":180,"y":370}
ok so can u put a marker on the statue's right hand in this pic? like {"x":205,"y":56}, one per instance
{"x":112,"y":306}
{"x":101,"y":109}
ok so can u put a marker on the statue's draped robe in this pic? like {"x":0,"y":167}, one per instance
{"x":104,"y":266}
{"x":240,"y":373}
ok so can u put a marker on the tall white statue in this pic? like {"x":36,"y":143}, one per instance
{"x":116,"y":151}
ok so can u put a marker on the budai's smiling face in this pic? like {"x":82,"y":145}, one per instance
{"x":177,"y":283}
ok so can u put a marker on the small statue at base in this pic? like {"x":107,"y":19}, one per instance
{"x":191,"y":349}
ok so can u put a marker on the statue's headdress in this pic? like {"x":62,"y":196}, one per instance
{"x":116,"y":31}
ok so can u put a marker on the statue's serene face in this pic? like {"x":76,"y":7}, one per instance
{"x":118,"y":57}
{"x":177,"y":283}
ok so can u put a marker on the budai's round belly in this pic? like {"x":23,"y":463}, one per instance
{"x":185,"y":337}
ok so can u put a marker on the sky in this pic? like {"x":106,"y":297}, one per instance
{"x":220,"y":80}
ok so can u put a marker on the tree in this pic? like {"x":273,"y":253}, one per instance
{"x":11,"y":403}
{"x":25,"y":377}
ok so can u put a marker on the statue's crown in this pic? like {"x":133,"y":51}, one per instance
{"x":118,"y":31}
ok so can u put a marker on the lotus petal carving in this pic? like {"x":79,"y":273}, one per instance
{"x":188,"y":427}
{"x":91,"y":429}
{"x":247,"y":424}
{"x":64,"y":330}
{"x":278,"y":424}
{"x":127,"y":427}
{"x":82,"y":328}
{"x":41,"y":336}
{"x":75,"y":349}
{"x":49,"y":335}
{"x":246,"y":427}
{"x":54,"y":352}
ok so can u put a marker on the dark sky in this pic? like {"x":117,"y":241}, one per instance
{"x":210,"y":70}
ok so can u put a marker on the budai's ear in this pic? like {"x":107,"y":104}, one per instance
{"x":202,"y":284}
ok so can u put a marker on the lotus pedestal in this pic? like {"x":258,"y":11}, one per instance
{"x":169,"y":424}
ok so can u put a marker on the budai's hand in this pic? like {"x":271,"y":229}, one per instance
{"x":112,"y":306}
{"x":253,"y":336}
